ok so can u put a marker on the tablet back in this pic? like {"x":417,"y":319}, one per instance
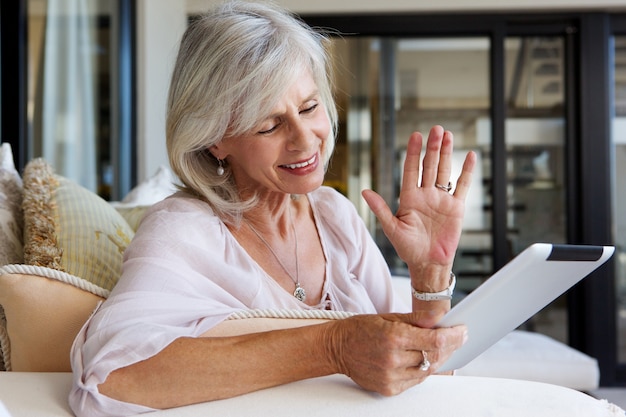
{"x":525,"y":285}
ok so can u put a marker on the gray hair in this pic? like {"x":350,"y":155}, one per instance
{"x":233,"y":66}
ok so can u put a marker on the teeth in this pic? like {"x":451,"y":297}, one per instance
{"x":301,"y":164}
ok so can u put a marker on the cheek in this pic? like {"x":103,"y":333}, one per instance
{"x":323,"y":126}
{"x":324,"y":133}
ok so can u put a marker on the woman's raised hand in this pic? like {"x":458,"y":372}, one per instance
{"x":427,"y":226}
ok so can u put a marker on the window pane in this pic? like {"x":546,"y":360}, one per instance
{"x":535,"y":138}
{"x":69,"y":89}
{"x":388,"y":88}
{"x":619,"y":181}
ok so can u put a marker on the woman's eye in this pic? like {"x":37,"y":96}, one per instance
{"x":310,"y":109}
{"x":268,"y":131}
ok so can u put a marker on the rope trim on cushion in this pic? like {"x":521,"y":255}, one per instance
{"x":57,"y":275}
{"x":290,"y":314}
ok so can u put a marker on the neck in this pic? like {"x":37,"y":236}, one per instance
{"x":274,"y":217}
{"x":299,"y":292}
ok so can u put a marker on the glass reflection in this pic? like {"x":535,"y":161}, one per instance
{"x":535,"y":139}
{"x":388,"y":88}
{"x":619,"y":183}
{"x":69,"y":89}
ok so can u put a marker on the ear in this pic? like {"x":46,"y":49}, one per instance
{"x":217,"y":151}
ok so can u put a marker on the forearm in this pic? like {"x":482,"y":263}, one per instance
{"x":192,"y":370}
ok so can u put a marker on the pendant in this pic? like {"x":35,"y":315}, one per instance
{"x":299,"y":293}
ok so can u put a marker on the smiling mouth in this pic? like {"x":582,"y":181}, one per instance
{"x":301,"y":164}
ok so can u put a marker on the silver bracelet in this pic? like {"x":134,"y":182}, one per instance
{"x":436,"y":296}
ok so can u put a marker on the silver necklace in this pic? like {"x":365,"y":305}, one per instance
{"x":299,"y":292}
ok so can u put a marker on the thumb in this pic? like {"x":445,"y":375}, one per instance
{"x":378,"y":206}
{"x":426,"y":319}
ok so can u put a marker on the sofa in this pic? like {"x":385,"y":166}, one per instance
{"x":61,"y":251}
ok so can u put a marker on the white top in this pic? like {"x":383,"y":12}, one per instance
{"x":184,"y":273}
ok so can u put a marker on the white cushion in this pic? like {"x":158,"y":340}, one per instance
{"x":154,"y":189}
{"x":536,"y":357}
{"x":45,"y":394}
{"x":3,"y":411}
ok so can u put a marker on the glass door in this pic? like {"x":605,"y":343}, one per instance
{"x":390,"y":87}
{"x":542,"y":134}
{"x":619,"y":191}
{"x":79,"y":104}
{"x":535,"y":156}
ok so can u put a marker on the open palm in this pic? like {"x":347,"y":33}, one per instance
{"x":427,"y":226}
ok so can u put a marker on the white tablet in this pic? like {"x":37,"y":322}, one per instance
{"x":525,"y":285}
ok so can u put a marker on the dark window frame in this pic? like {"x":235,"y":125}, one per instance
{"x":13,"y":78}
{"x":617,"y":27}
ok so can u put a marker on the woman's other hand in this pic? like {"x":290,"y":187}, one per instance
{"x":383,"y":353}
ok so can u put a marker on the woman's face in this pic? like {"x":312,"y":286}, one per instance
{"x":283,"y":153}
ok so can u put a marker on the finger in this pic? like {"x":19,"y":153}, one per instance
{"x":379,"y":207}
{"x":423,"y":333}
{"x":418,"y":369}
{"x":431,"y":159}
{"x":425,"y":364}
{"x":449,"y":339}
{"x":444,"y":346}
{"x":411,"y":169}
{"x":465,"y":179}
{"x":445,"y":159}
{"x":426,"y":319}
{"x":439,"y":339}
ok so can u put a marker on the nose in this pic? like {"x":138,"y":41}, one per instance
{"x":300,"y":136}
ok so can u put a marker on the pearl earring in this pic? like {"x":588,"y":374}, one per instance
{"x":220,"y":168}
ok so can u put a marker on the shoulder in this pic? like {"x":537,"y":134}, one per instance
{"x":179,"y":206}
{"x":180,"y":202}
{"x":179,"y":217}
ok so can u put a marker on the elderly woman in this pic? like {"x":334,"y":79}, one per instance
{"x":250,"y":130}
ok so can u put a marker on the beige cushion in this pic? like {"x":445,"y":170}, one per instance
{"x":73,"y":252}
{"x":132,"y":214}
{"x":257,"y":325}
{"x":43,"y":317}
{"x":152,"y":190}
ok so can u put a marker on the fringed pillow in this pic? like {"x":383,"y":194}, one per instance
{"x":71,"y":229}
{"x":73,"y":252}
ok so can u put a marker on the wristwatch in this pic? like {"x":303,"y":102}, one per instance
{"x":436,"y":296}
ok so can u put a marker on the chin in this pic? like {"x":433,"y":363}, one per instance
{"x":308,"y":189}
